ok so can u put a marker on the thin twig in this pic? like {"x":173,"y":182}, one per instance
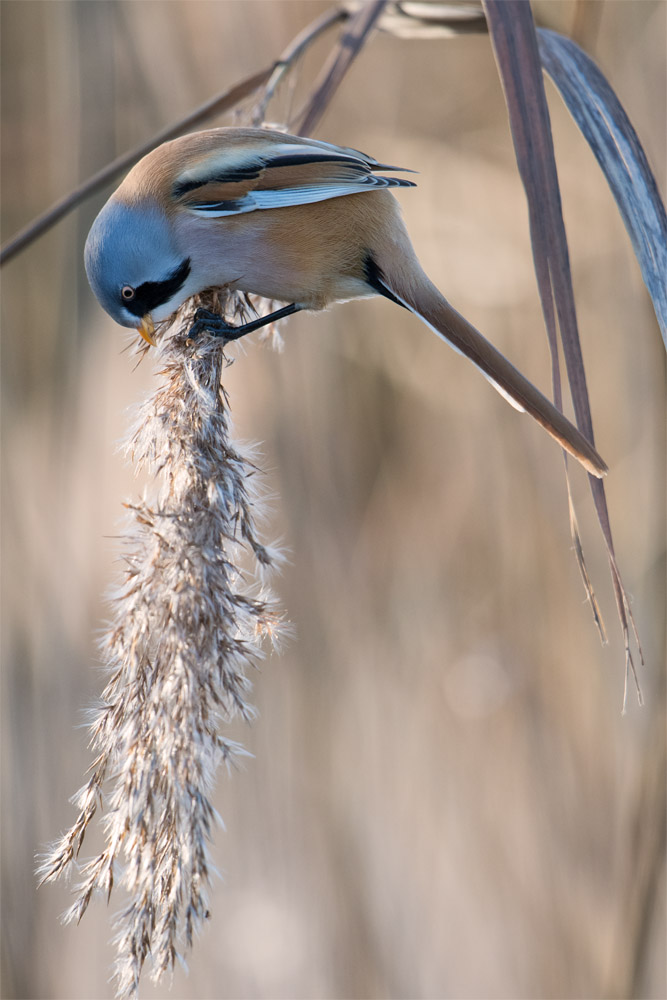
{"x":349,"y":46}
{"x":61,"y":208}
{"x":293,"y":52}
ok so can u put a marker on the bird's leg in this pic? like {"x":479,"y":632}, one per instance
{"x":210,"y":322}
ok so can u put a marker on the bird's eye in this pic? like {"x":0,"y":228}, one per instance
{"x":127,"y":292}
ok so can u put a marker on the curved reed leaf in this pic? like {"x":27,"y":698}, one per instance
{"x":515,"y":45}
{"x":609,"y":132}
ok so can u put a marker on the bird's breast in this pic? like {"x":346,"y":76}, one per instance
{"x":310,"y":254}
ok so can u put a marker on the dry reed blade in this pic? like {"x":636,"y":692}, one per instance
{"x":515,"y":45}
{"x":431,"y":20}
{"x":616,"y":146}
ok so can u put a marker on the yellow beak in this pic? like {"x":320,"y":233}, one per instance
{"x":146,"y":328}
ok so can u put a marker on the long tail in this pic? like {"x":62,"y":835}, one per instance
{"x":426,"y":302}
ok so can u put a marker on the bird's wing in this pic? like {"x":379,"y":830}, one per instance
{"x":247,"y":177}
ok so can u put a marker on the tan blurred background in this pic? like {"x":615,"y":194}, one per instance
{"x":445,"y":800}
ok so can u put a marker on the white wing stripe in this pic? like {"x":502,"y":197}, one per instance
{"x":281,"y":198}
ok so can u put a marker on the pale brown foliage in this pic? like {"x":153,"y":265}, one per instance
{"x":185,"y":628}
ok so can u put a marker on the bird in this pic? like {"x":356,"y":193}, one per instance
{"x":288,"y":218}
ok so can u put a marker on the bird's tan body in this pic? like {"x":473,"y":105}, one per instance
{"x":305,"y":254}
{"x":216,"y":191}
{"x":312,"y":254}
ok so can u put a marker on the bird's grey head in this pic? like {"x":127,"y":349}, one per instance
{"x":133,"y":264}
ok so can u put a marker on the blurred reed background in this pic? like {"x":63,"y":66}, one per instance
{"x":445,"y":800}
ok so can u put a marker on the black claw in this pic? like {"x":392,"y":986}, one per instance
{"x":210,"y":322}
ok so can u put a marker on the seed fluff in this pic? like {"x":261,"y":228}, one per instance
{"x":186,"y":626}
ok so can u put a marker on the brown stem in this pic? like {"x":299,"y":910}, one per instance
{"x":348,"y":47}
{"x":350,"y":44}
{"x":293,"y":52}
{"x":61,"y":208}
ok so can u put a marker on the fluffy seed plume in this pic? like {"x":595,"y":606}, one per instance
{"x":186,"y":626}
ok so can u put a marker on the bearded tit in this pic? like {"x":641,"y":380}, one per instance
{"x":287,"y":218}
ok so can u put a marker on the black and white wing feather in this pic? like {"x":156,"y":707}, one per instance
{"x":256,"y":175}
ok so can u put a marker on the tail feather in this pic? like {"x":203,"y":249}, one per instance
{"x":426,"y":302}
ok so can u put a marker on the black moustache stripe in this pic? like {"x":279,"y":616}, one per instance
{"x":152,"y":294}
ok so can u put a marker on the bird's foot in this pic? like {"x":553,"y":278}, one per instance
{"x":218,"y":327}
{"x":213,"y":324}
